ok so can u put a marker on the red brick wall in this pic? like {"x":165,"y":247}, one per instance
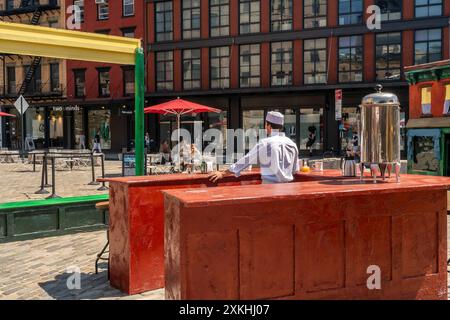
{"x":115,"y":23}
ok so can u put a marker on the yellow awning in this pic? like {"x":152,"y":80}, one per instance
{"x":17,"y":38}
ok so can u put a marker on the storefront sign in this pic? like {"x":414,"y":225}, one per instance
{"x":338,"y":104}
{"x":67,"y":108}
{"x":129,"y":164}
{"x":127,"y":112}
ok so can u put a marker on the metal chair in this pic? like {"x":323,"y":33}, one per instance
{"x":102,"y":207}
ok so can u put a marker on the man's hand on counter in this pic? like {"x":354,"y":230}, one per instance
{"x":216,"y":176}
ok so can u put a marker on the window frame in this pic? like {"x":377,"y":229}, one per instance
{"x":250,"y":65}
{"x":167,"y":34}
{"x":350,"y":13}
{"x":428,"y":43}
{"x":99,"y":6}
{"x":191,"y":29}
{"x":401,"y":56}
{"x":99,"y":71}
{"x":75,"y":72}
{"x":316,"y":16}
{"x":389,"y":13}
{"x":165,"y":61}
{"x":249,"y":17}
{"x":81,"y":9}
{"x":133,"y":4}
{"x":282,"y":21}
{"x":428,"y":5}
{"x":282,"y":63}
{"x":351,"y":69}
{"x":220,"y":79}
{"x":220,"y":20}
{"x":326,"y":61}
{"x":191,"y":79}
{"x":54,"y":85}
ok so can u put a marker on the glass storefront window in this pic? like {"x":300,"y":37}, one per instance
{"x":252,"y":119}
{"x":78,"y":129}
{"x":311,"y":129}
{"x":219,"y":121}
{"x":35,"y":128}
{"x":424,"y":155}
{"x":56,"y":129}
{"x":100,"y":120}
{"x":349,"y":128}
{"x":290,"y":123}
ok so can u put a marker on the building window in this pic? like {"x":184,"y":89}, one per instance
{"x":103,"y":82}
{"x":10,"y":5}
{"x":447,"y":99}
{"x":80,"y":16}
{"x":428,"y":46}
{"x":249,"y":66}
{"x":220,"y":67}
{"x":390,"y":9}
{"x":54,"y":78}
{"x":315,"y":13}
{"x":315,"y":61}
{"x":103,"y":10}
{"x":191,"y":69}
{"x":80,"y":83}
{"x":281,"y":15}
{"x":128,"y":8}
{"x":128,"y":32}
{"x":128,"y":81}
{"x":219,"y":17}
{"x":281,"y":63}
{"x":164,"y":70}
{"x":249,"y":16}
{"x":163,"y":21}
{"x":35,"y":85}
{"x":350,"y":59}
{"x":426,"y":101}
{"x":11,"y":74}
{"x":350,"y":12}
{"x":388,"y":56}
{"x":191,"y":19}
{"x":428,"y":8}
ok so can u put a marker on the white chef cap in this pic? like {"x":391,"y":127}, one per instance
{"x":275,"y":118}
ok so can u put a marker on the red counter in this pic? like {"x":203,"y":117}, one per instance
{"x":137,"y":226}
{"x":309,"y":240}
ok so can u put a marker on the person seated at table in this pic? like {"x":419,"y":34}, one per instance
{"x":195,"y":156}
{"x":164,"y":148}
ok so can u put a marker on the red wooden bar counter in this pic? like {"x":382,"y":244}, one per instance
{"x":136,"y":224}
{"x":308,"y":240}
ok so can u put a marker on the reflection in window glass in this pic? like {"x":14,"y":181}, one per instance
{"x":350,"y":12}
{"x":191,"y":69}
{"x":350,"y":128}
{"x":252,"y":119}
{"x":311,"y":129}
{"x":315,"y":61}
{"x":428,"y":8}
{"x":249,"y":16}
{"x":281,"y":67}
{"x":388,"y":56}
{"x":350,"y":59}
{"x":424,"y":155}
{"x":191,"y":19}
{"x":428,"y":46}
{"x":249,"y":65}
{"x":219,"y":17}
{"x":315,"y":13}
{"x":390,"y":9}
{"x":281,"y":15}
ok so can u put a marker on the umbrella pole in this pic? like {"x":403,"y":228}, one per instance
{"x":179,"y":142}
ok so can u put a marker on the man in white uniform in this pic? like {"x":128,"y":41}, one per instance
{"x":277,"y":155}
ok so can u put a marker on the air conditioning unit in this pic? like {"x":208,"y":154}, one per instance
{"x":101,"y":1}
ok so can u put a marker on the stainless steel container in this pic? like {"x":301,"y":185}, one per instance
{"x":380,"y":130}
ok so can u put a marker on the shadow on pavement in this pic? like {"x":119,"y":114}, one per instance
{"x":92,"y":286}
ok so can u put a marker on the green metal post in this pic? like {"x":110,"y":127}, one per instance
{"x":139,"y":111}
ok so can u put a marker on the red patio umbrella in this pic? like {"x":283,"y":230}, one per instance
{"x":4,"y":114}
{"x":179,"y":107}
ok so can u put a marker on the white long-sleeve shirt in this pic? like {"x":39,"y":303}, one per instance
{"x":277,"y":156}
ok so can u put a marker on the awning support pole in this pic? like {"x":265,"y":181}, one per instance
{"x":139,"y":111}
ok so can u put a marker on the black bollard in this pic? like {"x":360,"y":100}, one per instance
{"x":42,"y":190}
{"x":47,"y":185}
{"x":93,"y":182}
{"x":103,"y":187}
{"x":53,"y":195}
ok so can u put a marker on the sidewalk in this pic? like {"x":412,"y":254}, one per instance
{"x":37,"y":269}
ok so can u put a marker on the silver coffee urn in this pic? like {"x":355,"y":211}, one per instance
{"x":380,"y":134}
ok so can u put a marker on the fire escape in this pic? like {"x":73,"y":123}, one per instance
{"x":36,"y":60}
{"x":36,"y":10}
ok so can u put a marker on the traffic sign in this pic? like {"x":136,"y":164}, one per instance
{"x":21,"y":105}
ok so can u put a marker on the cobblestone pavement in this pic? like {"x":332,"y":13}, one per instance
{"x":19,"y":182}
{"x":37,"y":269}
